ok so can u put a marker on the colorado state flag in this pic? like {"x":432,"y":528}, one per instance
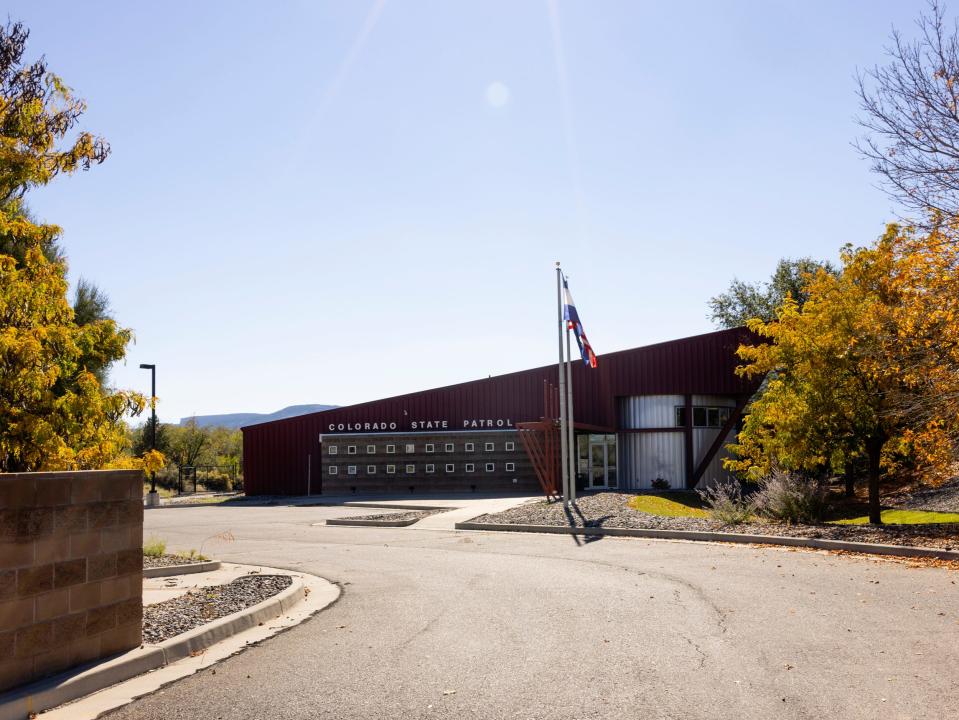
{"x":572,"y":321}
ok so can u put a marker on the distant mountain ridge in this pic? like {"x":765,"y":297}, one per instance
{"x":237,"y":420}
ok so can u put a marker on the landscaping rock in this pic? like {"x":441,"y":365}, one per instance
{"x":197,"y":607}
{"x":168,"y":561}
{"x":944,"y":498}
{"x":610,"y":509}
{"x":396,"y":516}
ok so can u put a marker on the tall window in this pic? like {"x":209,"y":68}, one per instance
{"x":411,"y":448}
{"x":430,"y":467}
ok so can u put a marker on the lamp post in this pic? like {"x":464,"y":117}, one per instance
{"x":153,"y":499}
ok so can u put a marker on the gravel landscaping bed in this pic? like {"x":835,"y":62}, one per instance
{"x":395,"y":516}
{"x":197,"y":607}
{"x":610,"y":510}
{"x":167,"y":561}
{"x":944,"y":498}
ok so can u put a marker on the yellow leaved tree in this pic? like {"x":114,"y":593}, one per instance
{"x":867,"y":368}
{"x":54,"y":413}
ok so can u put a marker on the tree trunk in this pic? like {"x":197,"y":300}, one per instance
{"x":875,"y":455}
{"x":850,"y":480}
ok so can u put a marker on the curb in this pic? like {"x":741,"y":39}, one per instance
{"x":86,"y":679}
{"x":188,"y":569}
{"x":697,"y":535}
{"x":373,"y":523}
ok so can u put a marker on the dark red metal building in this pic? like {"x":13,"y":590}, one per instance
{"x":661,"y":411}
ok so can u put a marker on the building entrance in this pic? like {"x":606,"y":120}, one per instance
{"x":598,"y":454}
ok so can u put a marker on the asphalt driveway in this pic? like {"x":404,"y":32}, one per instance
{"x":444,"y":624}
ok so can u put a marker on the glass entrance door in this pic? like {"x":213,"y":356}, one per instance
{"x":602,"y":462}
{"x":597,"y":465}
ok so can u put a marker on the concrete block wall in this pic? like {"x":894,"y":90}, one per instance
{"x":71,"y":569}
{"x":522,"y":478}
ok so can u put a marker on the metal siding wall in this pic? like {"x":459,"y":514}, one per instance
{"x":702,"y":439}
{"x":647,"y":456}
{"x":714,"y":400}
{"x":648,"y":411}
{"x":275,"y":453}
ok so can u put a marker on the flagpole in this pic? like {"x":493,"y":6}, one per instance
{"x":570,"y":426}
{"x":562,"y":389}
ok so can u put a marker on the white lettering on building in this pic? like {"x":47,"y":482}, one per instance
{"x":383,"y":426}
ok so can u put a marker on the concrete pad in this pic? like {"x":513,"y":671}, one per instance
{"x":461,"y":509}
{"x":469,"y":510}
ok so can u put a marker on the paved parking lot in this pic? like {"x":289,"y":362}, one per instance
{"x":445,"y":624}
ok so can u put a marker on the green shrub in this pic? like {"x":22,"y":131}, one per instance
{"x":726,"y":503}
{"x":791,"y":497}
{"x":217,"y":481}
{"x":154,"y":547}
{"x":192,"y":555}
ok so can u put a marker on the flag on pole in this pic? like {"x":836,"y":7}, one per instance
{"x":572,"y":321}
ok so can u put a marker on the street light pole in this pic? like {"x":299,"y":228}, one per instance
{"x":153,"y":499}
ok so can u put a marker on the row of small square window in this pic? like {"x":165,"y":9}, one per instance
{"x":509,"y":446}
{"x":411,"y":469}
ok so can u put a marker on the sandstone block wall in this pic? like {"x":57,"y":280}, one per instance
{"x":71,"y":569}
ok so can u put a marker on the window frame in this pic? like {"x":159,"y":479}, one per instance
{"x":510,"y":467}
{"x":469,"y":447}
{"x":450,"y":447}
{"x":430,"y":447}
{"x":351,"y":469}
{"x":489,"y":447}
{"x":371,"y":449}
{"x":334,"y":470}
{"x":391,"y":469}
{"x":470,"y":467}
{"x":410,"y":448}
{"x":490,"y":467}
{"x":371,"y":469}
{"x":430,"y":468}
{"x":510,"y":446}
{"x":450,"y":467}
{"x":411,"y":468}
{"x":351,"y":449}
{"x":391,"y":449}
{"x":332,"y":450}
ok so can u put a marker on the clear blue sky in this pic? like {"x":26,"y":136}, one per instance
{"x":337,"y":201}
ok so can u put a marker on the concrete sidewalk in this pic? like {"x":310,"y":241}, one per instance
{"x":461,"y":508}
{"x":467,"y":511}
